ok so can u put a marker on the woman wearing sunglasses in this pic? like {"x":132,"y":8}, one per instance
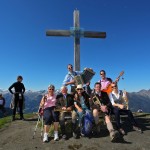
{"x":82,"y":105}
{"x":48,"y":104}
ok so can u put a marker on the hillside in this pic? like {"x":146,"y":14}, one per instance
{"x":140,"y":100}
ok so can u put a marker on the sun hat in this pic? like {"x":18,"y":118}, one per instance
{"x":79,"y":87}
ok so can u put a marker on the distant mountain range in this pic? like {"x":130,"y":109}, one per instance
{"x":137,"y":100}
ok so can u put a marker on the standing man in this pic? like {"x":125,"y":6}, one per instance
{"x":105,"y":82}
{"x":69,"y":78}
{"x":18,"y":92}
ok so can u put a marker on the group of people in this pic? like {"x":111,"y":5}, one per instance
{"x":81,"y":101}
{"x":105,"y":99}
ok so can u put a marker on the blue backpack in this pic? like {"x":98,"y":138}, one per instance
{"x":87,"y":124}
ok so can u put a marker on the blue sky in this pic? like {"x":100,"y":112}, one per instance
{"x":26,"y":50}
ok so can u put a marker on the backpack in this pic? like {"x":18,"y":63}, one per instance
{"x":87,"y":124}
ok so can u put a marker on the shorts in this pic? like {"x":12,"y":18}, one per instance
{"x":50,"y":115}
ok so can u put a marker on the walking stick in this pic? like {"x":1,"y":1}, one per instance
{"x":40,"y":119}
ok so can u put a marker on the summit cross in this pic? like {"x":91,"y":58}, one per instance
{"x":77,"y":33}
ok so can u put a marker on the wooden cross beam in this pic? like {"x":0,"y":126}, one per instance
{"x":77,"y":33}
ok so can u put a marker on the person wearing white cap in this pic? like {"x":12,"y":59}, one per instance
{"x":81,"y":102}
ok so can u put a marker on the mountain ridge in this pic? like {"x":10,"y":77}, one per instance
{"x":137,"y":100}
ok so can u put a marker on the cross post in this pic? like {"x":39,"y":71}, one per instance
{"x":77,"y":33}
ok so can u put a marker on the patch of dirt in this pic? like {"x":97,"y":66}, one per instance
{"x":18,"y":136}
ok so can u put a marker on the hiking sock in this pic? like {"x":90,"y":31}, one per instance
{"x":114,"y":134}
{"x":46,"y":134}
{"x":96,"y":119}
{"x":45,"y":137}
{"x":110,"y":126}
{"x":56,"y":138}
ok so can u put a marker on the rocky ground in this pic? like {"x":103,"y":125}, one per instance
{"x":18,"y":136}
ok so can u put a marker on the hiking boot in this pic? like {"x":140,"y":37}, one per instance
{"x":114,"y":135}
{"x":56,"y":137}
{"x":64,"y":137}
{"x":137,"y":129}
{"x":122,"y":131}
{"x":22,"y":118}
{"x":13,"y":118}
{"x":75,"y":130}
{"x":45,"y":138}
{"x":63,"y":132}
{"x":96,"y":130}
{"x":82,"y":134}
{"x":75,"y":135}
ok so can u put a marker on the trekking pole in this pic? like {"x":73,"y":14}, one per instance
{"x":40,"y":119}
{"x":42,"y":128}
{"x":35,"y":129}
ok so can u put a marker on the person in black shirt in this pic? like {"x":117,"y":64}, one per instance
{"x":18,"y":92}
{"x":100,"y":103}
{"x":65,"y":105}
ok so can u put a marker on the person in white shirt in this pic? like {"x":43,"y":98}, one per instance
{"x":118,"y":99}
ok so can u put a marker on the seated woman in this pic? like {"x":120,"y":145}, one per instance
{"x":81,"y":103}
{"x":119,"y":102}
{"x":48,"y":104}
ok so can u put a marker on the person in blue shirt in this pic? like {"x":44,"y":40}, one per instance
{"x":69,"y":78}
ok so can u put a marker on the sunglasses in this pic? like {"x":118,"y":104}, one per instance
{"x":51,"y":89}
{"x":80,"y":89}
{"x":114,"y":87}
{"x":70,"y":67}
